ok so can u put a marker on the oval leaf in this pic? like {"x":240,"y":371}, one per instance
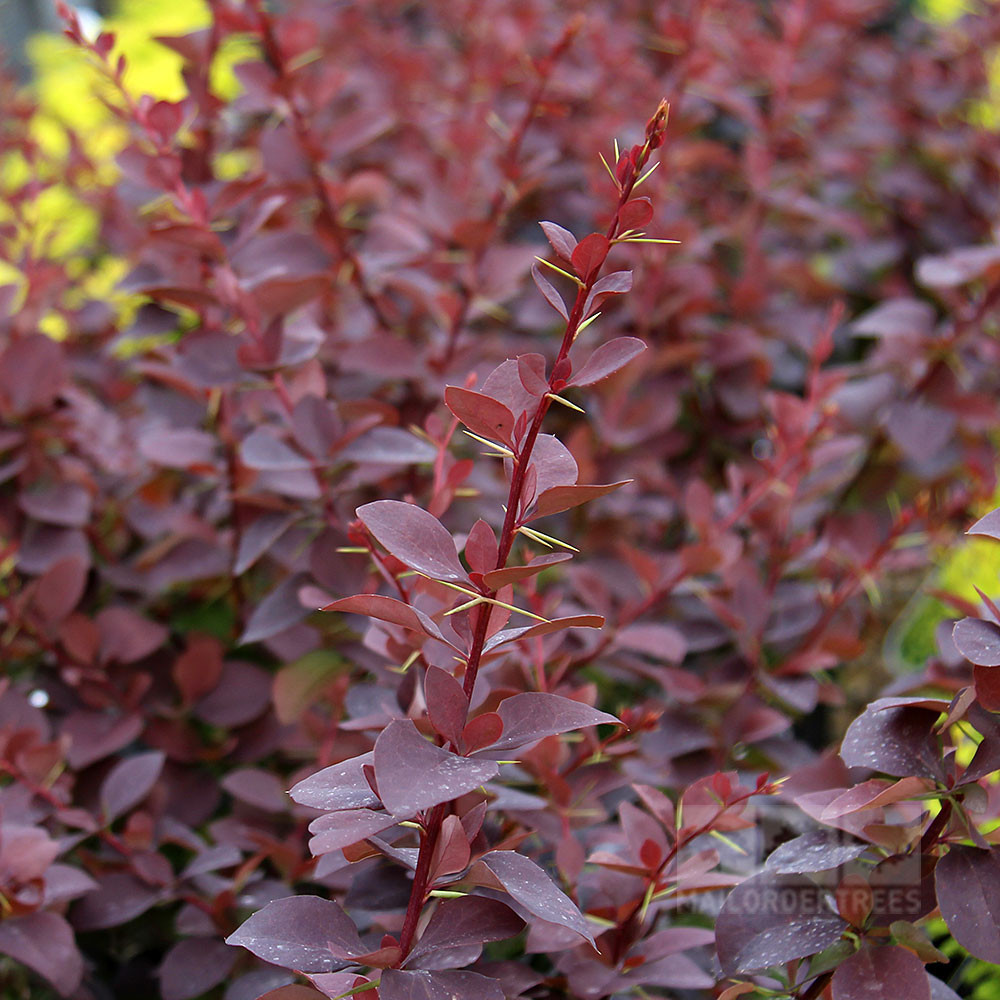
{"x":304,"y":933}
{"x":978,"y":641}
{"x":968,"y":892}
{"x":608,"y":359}
{"x":589,"y":254}
{"x":414,"y":537}
{"x":449,"y":985}
{"x":559,"y":498}
{"x":413,"y":774}
{"x":550,"y":291}
{"x":887,"y":971}
{"x":773,"y":919}
{"x":533,"y":715}
{"x":561,"y":240}
{"x":482,"y":414}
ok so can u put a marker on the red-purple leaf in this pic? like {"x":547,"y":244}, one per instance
{"x":470,"y":920}
{"x":65,"y":504}
{"x":561,"y":240}
{"x":192,"y":967}
{"x":129,"y":782}
{"x":896,"y":740}
{"x":340,"y":786}
{"x":178,"y":447}
{"x":559,"y":498}
{"x":126,"y":636}
{"x":413,"y":774}
{"x":337,"y":830}
{"x":258,"y":788}
{"x":481,"y":547}
{"x":978,"y":641}
{"x":259,"y":535}
{"x":589,"y":254}
{"x":609,"y":358}
{"x":304,"y":933}
{"x":530,"y":886}
{"x":988,"y":525}
{"x":533,"y":715}
{"x":120,"y":897}
{"x":514,"y":574}
{"x":773,"y":919}
{"x":482,"y":731}
{"x":414,"y":537}
{"x":531,"y":371}
{"x":482,"y":414}
{"x":816,"y":851}
{"x":543,"y":628}
{"x":262,"y":450}
{"x":447,"y":985}
{"x":45,"y":943}
{"x":881,"y":971}
{"x":447,"y":706}
{"x":388,"y":609}
{"x":550,"y":291}
{"x":242,"y":695}
{"x":968,"y":892}
{"x":616,"y":283}
{"x":279,"y":610}
{"x":635,"y":214}
{"x":662,"y":642}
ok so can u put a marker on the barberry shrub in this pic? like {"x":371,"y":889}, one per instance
{"x":250,"y":543}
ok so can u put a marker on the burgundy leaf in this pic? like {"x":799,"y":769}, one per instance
{"x":896,"y":740}
{"x":482,"y":414}
{"x":126,"y":636}
{"x":550,"y":291}
{"x":414,"y":537}
{"x":560,"y":498}
{"x":589,"y":254}
{"x":304,"y":933}
{"x":529,"y":885}
{"x":119,"y":898}
{"x":609,"y":358}
{"x":242,"y":695}
{"x":968,"y":892}
{"x":875,"y":972}
{"x":258,"y":788}
{"x":635,"y":214}
{"x":178,"y":447}
{"x":988,"y":525}
{"x":481,"y":547}
{"x":531,"y":370}
{"x":662,"y":642}
{"x":279,"y":610}
{"x":337,"y":830}
{"x":262,"y":450}
{"x":616,"y":283}
{"x":514,"y":574}
{"x":561,"y":240}
{"x":772,"y":919}
{"x":482,"y":731}
{"x":45,"y":943}
{"x":129,"y":782}
{"x":447,"y":985}
{"x":259,"y":535}
{"x":60,"y":588}
{"x":96,"y":735}
{"x":543,"y":628}
{"x":470,"y":920}
{"x":978,"y":641}
{"x":816,"y":851}
{"x":65,"y":504}
{"x":192,"y":967}
{"x":447,"y":706}
{"x":340,"y":786}
{"x":389,"y":445}
{"x":388,"y":609}
{"x":533,"y":715}
{"x":413,"y":774}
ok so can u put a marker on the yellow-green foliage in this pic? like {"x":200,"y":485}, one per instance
{"x":68,"y":89}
